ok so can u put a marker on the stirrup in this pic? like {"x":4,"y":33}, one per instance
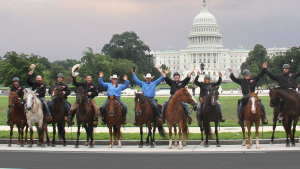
{"x":95,"y":122}
{"x":189,"y":119}
{"x":280,"y":117}
{"x":124,"y":121}
{"x":135,"y":123}
{"x":222,"y":120}
{"x":48,"y":118}
{"x":240,"y":122}
{"x":264,"y":121}
{"x":199,"y":123}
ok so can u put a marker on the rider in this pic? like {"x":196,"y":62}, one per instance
{"x":176,"y":85}
{"x":113,"y":89}
{"x":204,"y":91}
{"x":247,"y":84}
{"x":91,"y":92}
{"x":17,"y":88}
{"x":149,"y":89}
{"x":40,"y":88}
{"x":286,"y":80}
{"x":64,"y":90}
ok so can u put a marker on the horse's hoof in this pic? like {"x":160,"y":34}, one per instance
{"x":293,"y":145}
{"x":288,"y":145}
{"x":152,"y":146}
{"x":271,"y":143}
{"x":22,"y":145}
{"x":218,"y":145}
{"x":170,"y":147}
{"x":206,"y":146}
{"x":29,"y":145}
{"x":243,"y":144}
{"x":202,"y":143}
{"x":43,"y":145}
{"x":257,"y":147}
{"x":248,"y":147}
{"x":175,"y":144}
{"x":86,"y":144}
{"x":180,"y":147}
{"x":119,"y":146}
{"x":18,"y":143}
{"x":140,"y":146}
{"x":64,"y":144}
{"x":48,"y":144}
{"x":91,"y":146}
{"x":38,"y":144}
{"x":76,"y":146}
{"x":146,"y":144}
{"x":53,"y":145}
{"x":110,"y":146}
{"x":184,"y":144}
{"x":25,"y":143}
{"x":93,"y":143}
{"x":9,"y":145}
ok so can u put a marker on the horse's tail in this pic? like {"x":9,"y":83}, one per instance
{"x":207,"y":129}
{"x":161,"y":131}
{"x":186,"y":132}
{"x":60,"y":130}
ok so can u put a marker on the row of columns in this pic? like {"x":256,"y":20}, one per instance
{"x":205,"y":40}
{"x":206,"y":57}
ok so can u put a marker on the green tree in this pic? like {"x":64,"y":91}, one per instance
{"x":164,"y":67}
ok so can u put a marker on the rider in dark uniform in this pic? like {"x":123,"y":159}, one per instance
{"x":40,"y":88}
{"x":17,"y":88}
{"x":247,"y":84}
{"x":175,"y":86}
{"x":286,"y":80}
{"x":204,"y":91}
{"x":64,"y":89}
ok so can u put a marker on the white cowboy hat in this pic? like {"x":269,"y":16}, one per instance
{"x":33,"y":66}
{"x":148,"y":76}
{"x":75,"y":69}
{"x":113,"y":77}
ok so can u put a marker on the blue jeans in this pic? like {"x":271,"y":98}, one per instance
{"x":185,"y":105}
{"x":102,"y":108}
{"x":155,"y":106}
{"x":240,"y":109}
{"x":45,"y":103}
{"x":66,"y":104}
{"x":199,"y":107}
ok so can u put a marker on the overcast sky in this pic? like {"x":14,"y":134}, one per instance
{"x":62,"y":29}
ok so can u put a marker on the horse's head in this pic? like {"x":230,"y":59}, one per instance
{"x":186,"y":97}
{"x":13,"y":99}
{"x":30,"y":96}
{"x":274,"y":99}
{"x":111,"y":106}
{"x":214,"y":95}
{"x":56,"y":92}
{"x":80,"y":95}
{"x":253,"y":100}
{"x":139,"y":102}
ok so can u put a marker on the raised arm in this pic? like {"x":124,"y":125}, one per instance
{"x":68,"y":91}
{"x":158,"y":81}
{"x":137,"y":80}
{"x":103,"y":84}
{"x":186,"y":81}
{"x":271,"y":76}
{"x":123,"y":87}
{"x":28,"y":81}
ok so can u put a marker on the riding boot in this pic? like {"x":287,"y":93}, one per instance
{"x":162,"y":118}
{"x":124,"y":121}
{"x":69,"y":120}
{"x":135,"y":122}
{"x":264,"y":120}
{"x":95,"y":123}
{"x":7,"y":122}
{"x":240,"y":120}
{"x":48,"y":118}
{"x":199,"y":119}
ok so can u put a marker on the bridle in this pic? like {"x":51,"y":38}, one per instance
{"x":115,"y":104}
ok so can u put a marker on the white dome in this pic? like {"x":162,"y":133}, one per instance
{"x":205,"y":17}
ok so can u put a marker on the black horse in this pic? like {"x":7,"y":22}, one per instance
{"x":290,"y":110}
{"x":210,"y":113}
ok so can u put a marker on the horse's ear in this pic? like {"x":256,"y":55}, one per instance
{"x":143,"y":93}
{"x":249,"y":92}
{"x":134,"y":92}
{"x":256,"y":92}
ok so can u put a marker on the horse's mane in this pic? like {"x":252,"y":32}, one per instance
{"x":139,"y":96}
{"x":283,"y":88}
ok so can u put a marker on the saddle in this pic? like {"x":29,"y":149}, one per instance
{"x":118,"y":103}
{"x":153,"y":106}
{"x":245,"y":102}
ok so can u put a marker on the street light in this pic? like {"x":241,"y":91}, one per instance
{"x":150,"y":56}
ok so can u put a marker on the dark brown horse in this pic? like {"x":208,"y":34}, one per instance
{"x":84,"y":115}
{"x":275,"y":118}
{"x":15,"y":116}
{"x":144,"y":115}
{"x":290,"y":110}
{"x":251,"y":114}
{"x":210,"y":114}
{"x":174,"y":114}
{"x":58,"y":111}
{"x":114,"y":120}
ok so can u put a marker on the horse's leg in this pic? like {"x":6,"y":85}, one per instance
{"x":31,"y":139}
{"x":119,"y":135}
{"x":294,"y":130}
{"x":184,"y":135}
{"x":170,"y":135}
{"x":154,"y":130}
{"x":175,"y":131}
{"x":91,"y":134}
{"x":110,"y":133}
{"x":286,"y":123}
{"x":41,"y":129}
{"x":115,"y":132}
{"x":151,"y":137}
{"x":256,"y":133}
{"x":243,"y":130}
{"x":78,"y":134}
{"x":26,"y":132}
{"x":216,"y":132}
{"x":18,"y":143}
{"x":10,"y":135}
{"x":249,"y":134}
{"x":201,"y":129}
{"x":54,"y":133}
{"x":180,"y":135}
{"x":141,"y":133}
{"x":275,"y":112}
{"x":22,"y":134}
{"x":63,"y":133}
{"x":87,"y":134}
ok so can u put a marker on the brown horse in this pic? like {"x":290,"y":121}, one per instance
{"x":144,"y":115}
{"x":84,"y":115}
{"x":114,"y":120}
{"x":275,"y":118}
{"x":251,"y":114}
{"x":174,"y":114}
{"x":59,"y":112}
{"x":15,"y":116}
{"x":290,"y":110}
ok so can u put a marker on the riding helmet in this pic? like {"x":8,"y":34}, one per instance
{"x":286,"y":66}
{"x":176,"y":73}
{"x":246,"y":72}
{"x":207,"y":77}
{"x":60,"y":75}
{"x":16,"y":79}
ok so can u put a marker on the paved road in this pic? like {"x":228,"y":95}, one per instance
{"x":193,"y":156}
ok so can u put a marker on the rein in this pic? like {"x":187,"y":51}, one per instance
{"x":115,"y":103}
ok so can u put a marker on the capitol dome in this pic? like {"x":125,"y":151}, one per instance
{"x":205,"y":16}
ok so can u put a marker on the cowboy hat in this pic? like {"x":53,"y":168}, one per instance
{"x":148,"y":76}
{"x":113,"y":77}
{"x":33,"y":66}
{"x":75,"y":69}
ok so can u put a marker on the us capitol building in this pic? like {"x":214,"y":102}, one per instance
{"x":205,"y":47}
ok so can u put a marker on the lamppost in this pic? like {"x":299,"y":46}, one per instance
{"x":150,"y":56}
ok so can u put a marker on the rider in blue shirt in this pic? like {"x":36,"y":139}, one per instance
{"x":113,"y":89}
{"x":149,"y":88}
